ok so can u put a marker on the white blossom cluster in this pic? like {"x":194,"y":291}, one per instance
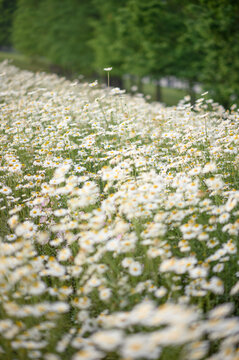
{"x":119,"y":224}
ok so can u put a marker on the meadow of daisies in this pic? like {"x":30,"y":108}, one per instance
{"x":119,"y":224}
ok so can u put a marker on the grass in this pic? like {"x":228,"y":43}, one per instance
{"x":26,"y":63}
{"x":170,"y":96}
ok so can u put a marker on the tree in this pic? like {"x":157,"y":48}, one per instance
{"x":105,"y":43}
{"x":150,"y":31}
{"x":59,"y":31}
{"x":216,"y":25}
{"x":27,"y":27}
{"x":7,"y":9}
{"x":190,"y":52}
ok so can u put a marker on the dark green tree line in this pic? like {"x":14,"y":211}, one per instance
{"x":59,"y":31}
{"x":7,"y":9}
{"x":194,"y":40}
{"x":216,"y":33}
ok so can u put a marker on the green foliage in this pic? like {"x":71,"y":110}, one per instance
{"x":155,"y":28}
{"x":189,"y":52}
{"x":106,"y":42}
{"x":57,"y":31}
{"x":137,"y":37}
{"x":7,"y":8}
{"x":26,"y":27}
{"x":216,"y":34}
{"x":193,"y":40}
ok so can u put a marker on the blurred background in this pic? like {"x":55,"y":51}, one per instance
{"x":164,"y":48}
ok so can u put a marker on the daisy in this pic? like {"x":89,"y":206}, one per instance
{"x":61,"y":212}
{"x":224,"y":217}
{"x":88,"y":353}
{"x":221,"y":311}
{"x":160,"y":292}
{"x":6,"y":190}
{"x":35,"y":212}
{"x":107,"y":340}
{"x":105,"y":294}
{"x":94,"y":282}
{"x":64,"y":254}
{"x":235,"y":289}
{"x":198,"y":272}
{"x":94,"y":83}
{"x":37,"y":288}
{"x":137,"y":346}
{"x":82,"y":302}
{"x":135,"y":268}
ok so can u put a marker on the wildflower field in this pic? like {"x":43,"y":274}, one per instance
{"x":119,"y":224}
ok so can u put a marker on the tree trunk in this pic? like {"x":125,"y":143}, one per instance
{"x":116,"y":81}
{"x":158,"y":93}
{"x":140,"y":85}
{"x":191,"y":91}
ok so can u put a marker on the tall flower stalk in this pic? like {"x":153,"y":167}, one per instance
{"x":108,"y":75}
